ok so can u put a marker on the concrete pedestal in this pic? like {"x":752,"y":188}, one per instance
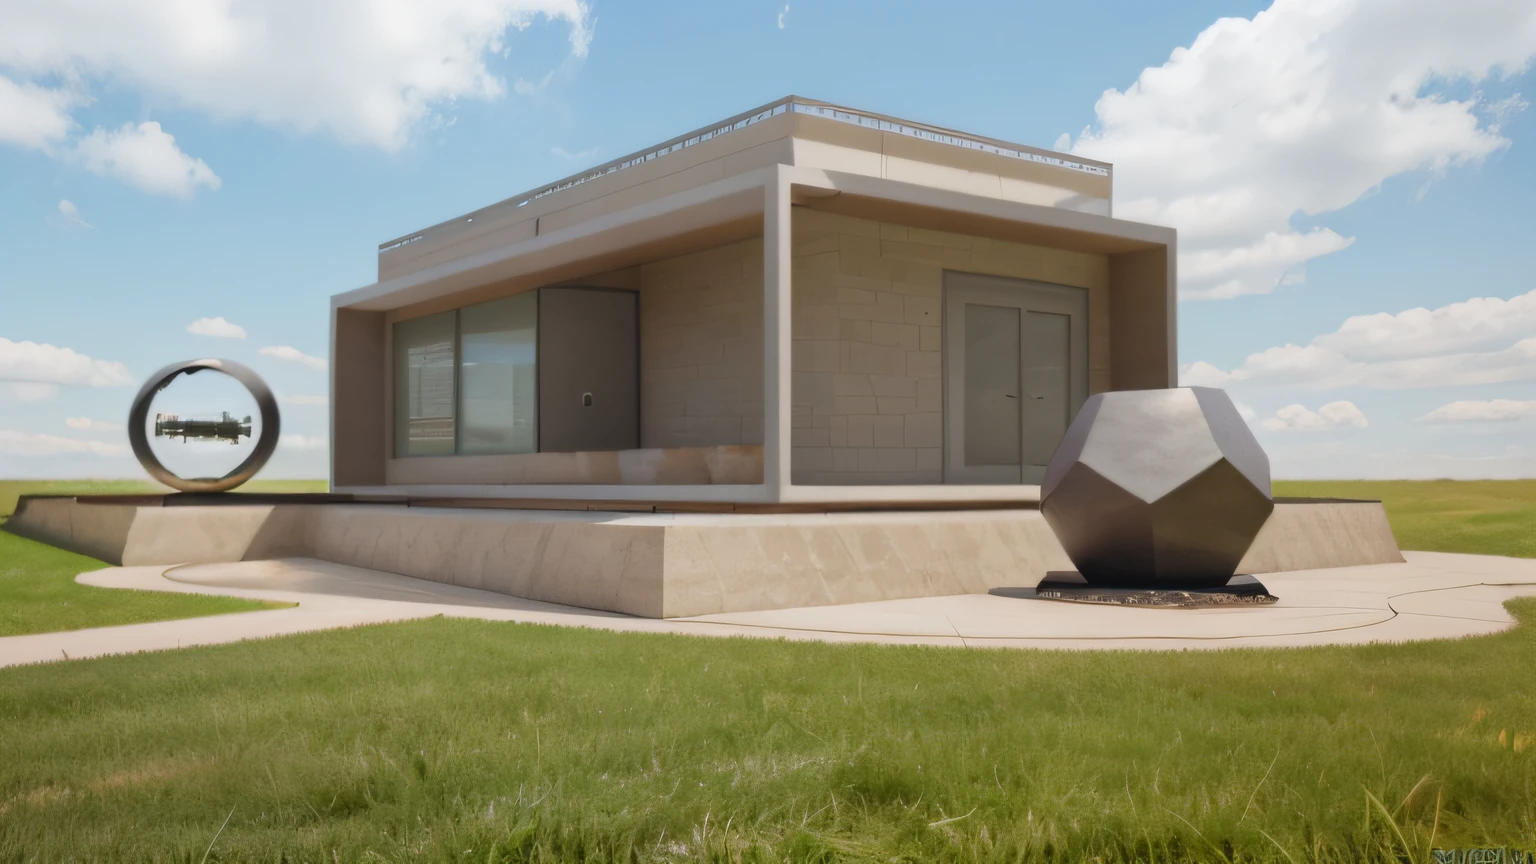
{"x":658,"y":565}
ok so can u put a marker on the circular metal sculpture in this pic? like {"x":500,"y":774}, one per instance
{"x":1157,"y":489}
{"x":227,"y":428}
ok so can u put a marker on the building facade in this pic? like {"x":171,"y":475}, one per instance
{"x":803,"y":306}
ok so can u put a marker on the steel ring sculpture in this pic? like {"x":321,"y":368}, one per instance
{"x":267,"y":442}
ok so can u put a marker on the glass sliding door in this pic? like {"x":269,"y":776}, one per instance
{"x":498,"y":376}
{"x":471,"y":381}
{"x":425,"y":385}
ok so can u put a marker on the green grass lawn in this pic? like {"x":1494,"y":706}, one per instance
{"x":10,"y":490}
{"x":451,"y":740}
{"x":39,"y":594}
{"x":1486,"y":517}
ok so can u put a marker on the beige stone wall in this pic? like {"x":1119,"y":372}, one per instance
{"x":701,"y":348}
{"x":867,"y":368}
{"x":688,"y":564}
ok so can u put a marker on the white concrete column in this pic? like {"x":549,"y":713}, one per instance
{"x":776,"y":335}
{"x":330,"y":404}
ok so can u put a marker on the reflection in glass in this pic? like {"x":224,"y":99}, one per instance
{"x":424,"y":369}
{"x":498,"y":356}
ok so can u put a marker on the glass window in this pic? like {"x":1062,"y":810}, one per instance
{"x":424,"y":385}
{"x":498,"y":356}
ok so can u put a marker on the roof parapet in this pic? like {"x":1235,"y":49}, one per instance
{"x":789,"y":104}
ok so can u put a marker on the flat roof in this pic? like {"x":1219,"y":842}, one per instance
{"x":787,"y":105}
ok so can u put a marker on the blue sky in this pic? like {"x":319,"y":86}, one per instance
{"x":1323,"y":161}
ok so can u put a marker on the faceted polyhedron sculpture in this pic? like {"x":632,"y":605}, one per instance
{"x":1157,"y":488}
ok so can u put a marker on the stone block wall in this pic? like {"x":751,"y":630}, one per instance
{"x":867,"y":395}
{"x":701,"y":348}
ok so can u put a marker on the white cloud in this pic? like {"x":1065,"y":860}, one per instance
{"x":1302,"y":110}
{"x":783,"y":13}
{"x":306,"y":400}
{"x":34,"y":363}
{"x":1467,"y":325}
{"x":27,"y":392}
{"x":1503,"y":110}
{"x":293,"y":355}
{"x":1245,"y":411}
{"x":303,"y":442}
{"x":1485,"y":340}
{"x":1490,"y":411}
{"x":365,"y":71}
{"x":42,"y":444}
{"x":1315,"y":367}
{"x":69,"y":215}
{"x":580,"y":155}
{"x":145,"y":156}
{"x":1334,"y":415}
{"x":524,"y":87}
{"x":34,"y":117}
{"x":96,"y":425}
{"x":1333,"y":456}
{"x":216,"y":327}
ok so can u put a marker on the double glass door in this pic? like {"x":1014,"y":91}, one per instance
{"x":1016,"y":371}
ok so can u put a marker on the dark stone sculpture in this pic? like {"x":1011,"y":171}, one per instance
{"x":1157,"y":488}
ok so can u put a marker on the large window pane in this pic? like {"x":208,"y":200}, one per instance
{"x":424,"y":384}
{"x":498,"y":376}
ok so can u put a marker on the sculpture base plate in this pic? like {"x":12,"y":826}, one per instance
{"x":1069,"y":586}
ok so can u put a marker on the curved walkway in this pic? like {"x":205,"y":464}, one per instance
{"x":1431,"y":596}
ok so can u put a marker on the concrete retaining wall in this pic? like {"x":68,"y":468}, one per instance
{"x":661,"y":565}
{"x":1319,"y":534}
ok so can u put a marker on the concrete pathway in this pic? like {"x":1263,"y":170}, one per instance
{"x":1431,"y":596}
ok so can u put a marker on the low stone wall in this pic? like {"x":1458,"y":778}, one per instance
{"x":1314,"y":535}
{"x":660,"y":565}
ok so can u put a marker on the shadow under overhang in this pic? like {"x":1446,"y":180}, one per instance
{"x":680,"y":224}
{"x":969,"y":221}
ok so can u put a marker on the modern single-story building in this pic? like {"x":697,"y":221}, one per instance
{"x":697,"y":379}
{"x":802,"y":306}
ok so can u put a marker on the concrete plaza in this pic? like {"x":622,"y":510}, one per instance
{"x":1429,"y":596}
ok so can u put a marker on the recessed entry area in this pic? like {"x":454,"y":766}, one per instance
{"x":551,"y":370}
{"x":1015,"y":374}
